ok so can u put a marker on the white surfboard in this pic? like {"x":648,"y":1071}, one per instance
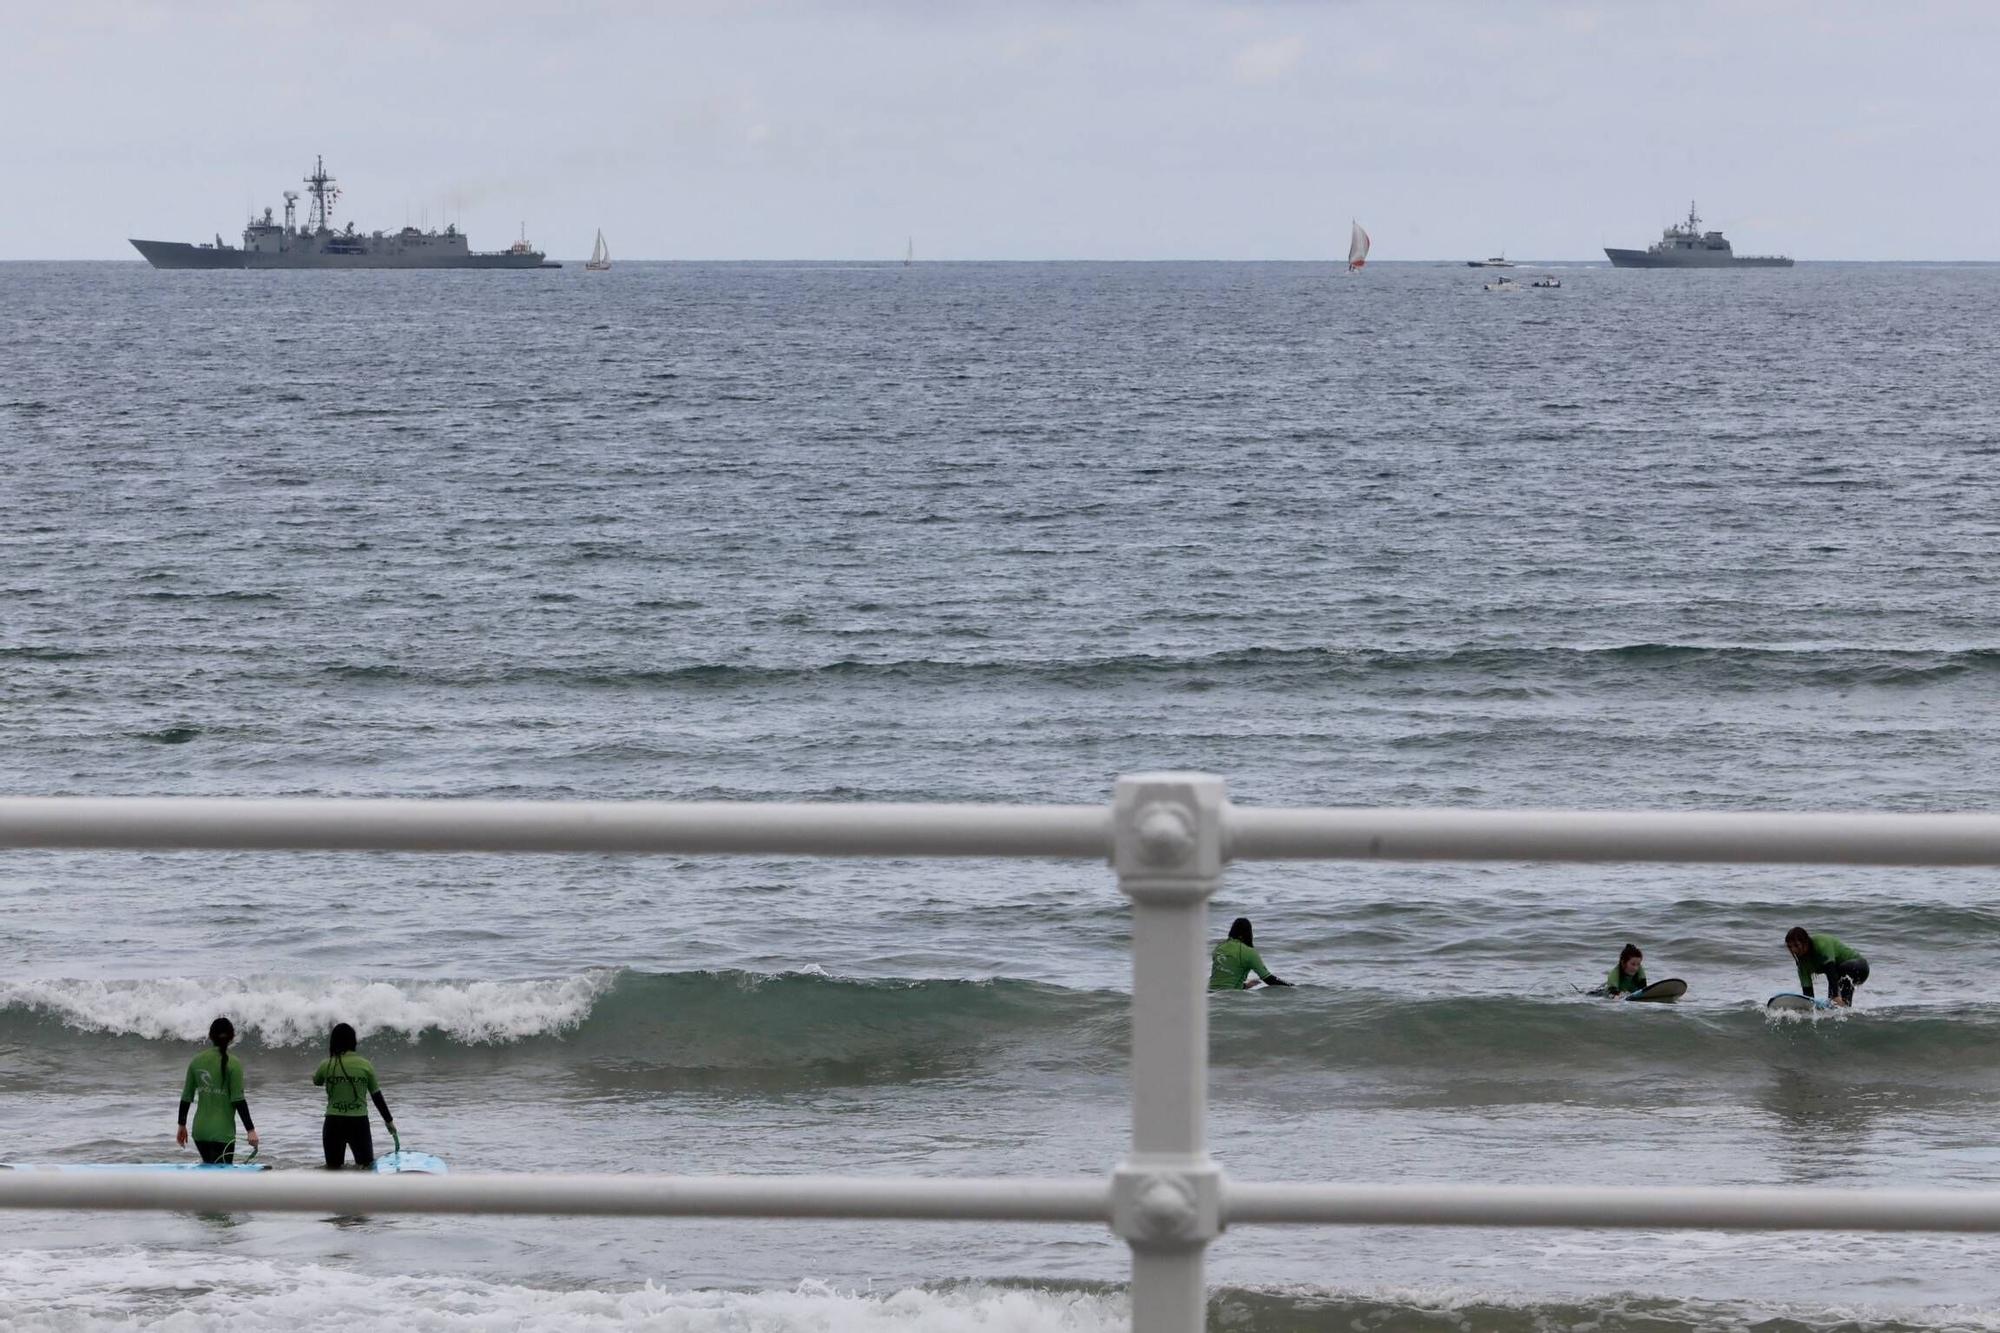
{"x":1792,"y":1002}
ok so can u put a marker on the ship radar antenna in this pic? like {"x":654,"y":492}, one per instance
{"x":291,"y":210}
{"x":323,"y":191}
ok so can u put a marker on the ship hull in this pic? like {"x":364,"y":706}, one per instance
{"x":180,"y":254}
{"x":1647,"y":259}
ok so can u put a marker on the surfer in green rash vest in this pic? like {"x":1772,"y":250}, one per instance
{"x":1844,"y":966}
{"x":350,"y":1080}
{"x":1629,"y":977}
{"x":214,"y":1085}
{"x":1235,"y":958}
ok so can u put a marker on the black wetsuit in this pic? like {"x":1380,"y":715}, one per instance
{"x":1842,"y":978}
{"x":338,"y":1133}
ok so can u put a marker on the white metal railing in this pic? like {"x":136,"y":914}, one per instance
{"x":1168,"y":836}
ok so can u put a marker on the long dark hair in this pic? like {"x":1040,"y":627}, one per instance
{"x":1630,"y":951}
{"x":1798,"y":935}
{"x":1239,"y":929}
{"x":222,"y":1032}
{"x":340,"y":1045}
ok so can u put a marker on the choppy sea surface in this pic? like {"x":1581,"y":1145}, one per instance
{"x":1684,"y":541}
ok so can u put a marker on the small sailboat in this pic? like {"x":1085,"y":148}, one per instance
{"x":910,"y":252}
{"x":1357,"y":248}
{"x":600,"y":255}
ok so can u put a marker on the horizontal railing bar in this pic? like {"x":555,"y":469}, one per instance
{"x":842,"y":829}
{"x":1747,"y":1208}
{"x":750,"y":828}
{"x":1631,"y":836}
{"x":353,"y":1192}
{"x":1002,"y":1200}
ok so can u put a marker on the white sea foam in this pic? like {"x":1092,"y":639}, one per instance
{"x":290,"y":1011}
{"x":180,"y":1293}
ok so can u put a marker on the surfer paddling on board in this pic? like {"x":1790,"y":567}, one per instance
{"x":214,"y":1086}
{"x":1235,"y":958}
{"x":1845,"y":968}
{"x":350,"y":1081}
{"x":1629,"y":977}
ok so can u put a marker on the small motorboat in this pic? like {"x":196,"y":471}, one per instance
{"x":1547,"y":280}
{"x":1503,"y":285}
{"x":1494,"y":261}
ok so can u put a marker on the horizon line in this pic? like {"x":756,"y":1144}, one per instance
{"x":899,"y":262}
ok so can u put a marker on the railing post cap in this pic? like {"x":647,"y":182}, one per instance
{"x":1163,"y":1206}
{"x":1168,"y":827}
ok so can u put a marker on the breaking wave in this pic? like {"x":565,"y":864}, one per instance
{"x":809,"y":1027}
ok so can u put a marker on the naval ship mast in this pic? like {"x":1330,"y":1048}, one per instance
{"x":320,"y":186}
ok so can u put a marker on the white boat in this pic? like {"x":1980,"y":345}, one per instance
{"x":600,"y":255}
{"x":1492,"y":261}
{"x":1547,"y":280}
{"x":1357,"y":248}
{"x":910,"y":252}
{"x":1503,"y":285}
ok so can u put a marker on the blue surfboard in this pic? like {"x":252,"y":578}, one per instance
{"x":1792,"y":1002}
{"x":410,"y":1163}
{"x":134,"y":1166}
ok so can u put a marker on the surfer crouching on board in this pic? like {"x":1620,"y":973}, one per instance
{"x":1845,"y":968}
{"x":1235,"y":958}
{"x":1629,"y":977}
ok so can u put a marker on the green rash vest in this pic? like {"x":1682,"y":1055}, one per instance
{"x":214,"y":1105}
{"x":1617,"y":983}
{"x":348,"y":1079}
{"x":1826,"y":951}
{"x":1234,"y":962}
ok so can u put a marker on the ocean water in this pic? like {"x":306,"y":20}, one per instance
{"x":999,"y":532}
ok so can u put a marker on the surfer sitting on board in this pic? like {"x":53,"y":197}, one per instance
{"x":1236,"y":958}
{"x":349,"y":1081}
{"x":214,"y":1084}
{"x":1629,"y":977}
{"x":1845,"y":968}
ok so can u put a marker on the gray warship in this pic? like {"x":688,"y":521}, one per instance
{"x":1686,"y":245}
{"x":268,"y":243}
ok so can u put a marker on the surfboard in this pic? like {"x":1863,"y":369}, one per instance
{"x":1670,"y":989}
{"x":410,"y":1163}
{"x":134,"y":1166}
{"x":1792,"y":1002}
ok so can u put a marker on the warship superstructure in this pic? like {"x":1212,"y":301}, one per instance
{"x":268,"y":243}
{"x":1686,"y":245}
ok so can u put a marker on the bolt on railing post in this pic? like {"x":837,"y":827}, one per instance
{"x":1167,"y":846}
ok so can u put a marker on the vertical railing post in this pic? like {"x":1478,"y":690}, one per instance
{"x":1167,"y":846}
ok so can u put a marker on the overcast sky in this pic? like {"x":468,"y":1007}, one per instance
{"x":1024,"y":130}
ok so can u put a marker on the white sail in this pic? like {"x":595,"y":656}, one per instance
{"x":1357,"y":248}
{"x":600,"y":254}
